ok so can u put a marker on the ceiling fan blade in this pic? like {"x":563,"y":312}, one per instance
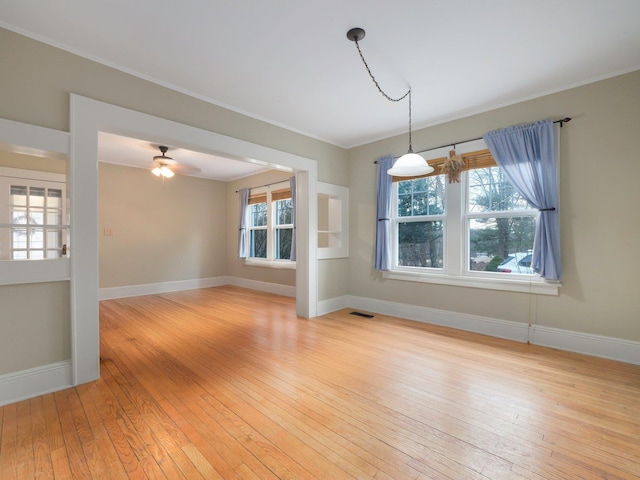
{"x":183,"y":169}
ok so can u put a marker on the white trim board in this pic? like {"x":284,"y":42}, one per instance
{"x":627,"y":351}
{"x":33,"y":382}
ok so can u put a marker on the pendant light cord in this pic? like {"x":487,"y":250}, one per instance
{"x":383,"y":93}
{"x":375,"y":82}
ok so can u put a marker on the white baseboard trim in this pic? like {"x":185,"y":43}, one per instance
{"x":177,"y":286}
{"x":595,"y":345}
{"x":332,"y":305}
{"x":276,"y":288}
{"x":165,"y":287}
{"x":33,"y":382}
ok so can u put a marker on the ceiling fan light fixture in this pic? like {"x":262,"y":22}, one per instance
{"x":160,"y":168}
{"x":166,"y":172}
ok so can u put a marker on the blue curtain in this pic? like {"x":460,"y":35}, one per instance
{"x":383,"y":216}
{"x":527,"y":155}
{"x":292,"y":183}
{"x":242,"y":224}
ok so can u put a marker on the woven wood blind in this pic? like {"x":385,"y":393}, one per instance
{"x":281,"y":194}
{"x":472,"y":160}
{"x":275,"y":195}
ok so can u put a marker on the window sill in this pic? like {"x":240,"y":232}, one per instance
{"x":280,"y":264}
{"x":525,"y":284}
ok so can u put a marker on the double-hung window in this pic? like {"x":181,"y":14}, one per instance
{"x":419,"y":222}
{"x":477,"y":232}
{"x":270,"y":225}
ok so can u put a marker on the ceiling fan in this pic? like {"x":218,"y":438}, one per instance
{"x":167,"y":167}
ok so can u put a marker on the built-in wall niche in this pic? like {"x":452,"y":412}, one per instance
{"x":333,"y":221}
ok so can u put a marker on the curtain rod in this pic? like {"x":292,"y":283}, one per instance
{"x":267,"y":184}
{"x":453,"y":144}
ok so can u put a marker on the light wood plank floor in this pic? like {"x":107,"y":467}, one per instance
{"x":228,"y":383}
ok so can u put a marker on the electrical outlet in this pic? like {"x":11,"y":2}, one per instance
{"x":108,"y":232}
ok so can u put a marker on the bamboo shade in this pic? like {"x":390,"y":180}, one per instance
{"x":472,"y":160}
{"x":281,"y":194}
{"x":257,"y":198}
{"x":275,"y":195}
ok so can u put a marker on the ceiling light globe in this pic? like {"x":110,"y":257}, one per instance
{"x":410,"y":165}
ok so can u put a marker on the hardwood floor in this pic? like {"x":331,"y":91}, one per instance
{"x":228,"y":383}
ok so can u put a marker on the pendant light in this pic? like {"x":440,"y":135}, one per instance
{"x":410,"y":164}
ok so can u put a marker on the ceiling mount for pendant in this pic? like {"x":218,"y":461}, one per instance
{"x":356,"y":34}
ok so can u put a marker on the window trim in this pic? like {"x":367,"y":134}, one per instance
{"x":456,"y":243}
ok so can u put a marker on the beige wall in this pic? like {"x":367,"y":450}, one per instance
{"x":160,"y":233}
{"x":29,"y":162}
{"x":600,"y":223}
{"x":35,"y":326}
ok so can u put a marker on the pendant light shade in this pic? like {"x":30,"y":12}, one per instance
{"x":410,"y":165}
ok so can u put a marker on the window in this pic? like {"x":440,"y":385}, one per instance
{"x":32,"y":216}
{"x":270,"y":224}
{"x":478,"y":232}
{"x":419,"y":222}
{"x":499,"y":223}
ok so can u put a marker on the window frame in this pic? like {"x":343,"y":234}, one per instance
{"x":396,"y":220}
{"x":271,"y":227}
{"x":456,"y":241}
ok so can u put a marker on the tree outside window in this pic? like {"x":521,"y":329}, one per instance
{"x":500,"y":222}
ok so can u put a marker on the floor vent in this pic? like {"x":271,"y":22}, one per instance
{"x":360,"y":314}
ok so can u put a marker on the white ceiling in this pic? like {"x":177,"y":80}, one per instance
{"x":288,"y":62}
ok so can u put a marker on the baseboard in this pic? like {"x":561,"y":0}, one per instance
{"x":33,"y":382}
{"x":471,"y":323}
{"x":332,"y":305}
{"x":177,"y":286}
{"x":276,"y":288}
{"x":164,"y":287}
{"x":595,"y":345}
